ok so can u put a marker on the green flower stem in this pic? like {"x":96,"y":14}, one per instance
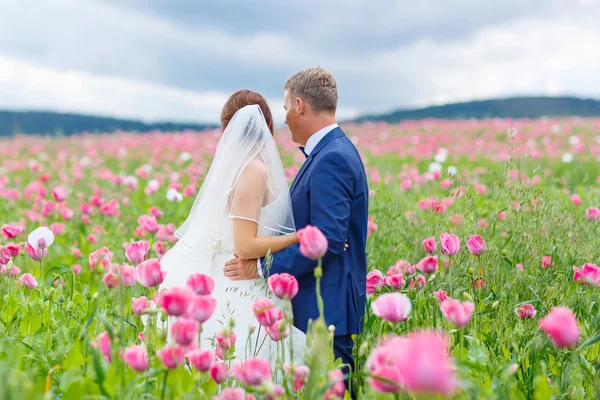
{"x":122,"y":332}
{"x":450,"y":277}
{"x":288,"y":305}
{"x":433,"y":312}
{"x":164,"y":387}
{"x":318,"y":274}
{"x":42,"y":280}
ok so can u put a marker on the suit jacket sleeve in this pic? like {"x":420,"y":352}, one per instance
{"x":331,"y":192}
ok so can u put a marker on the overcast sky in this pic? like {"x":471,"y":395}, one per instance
{"x":180,"y":59}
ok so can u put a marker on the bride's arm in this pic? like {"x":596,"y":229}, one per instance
{"x":249,"y":246}
{"x":248,"y":200}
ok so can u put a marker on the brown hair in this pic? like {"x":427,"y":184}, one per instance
{"x":243,"y":98}
{"x":317,"y":86}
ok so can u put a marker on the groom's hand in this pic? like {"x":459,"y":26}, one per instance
{"x":240,"y":270}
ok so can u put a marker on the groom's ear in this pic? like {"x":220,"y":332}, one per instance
{"x":300,"y":105}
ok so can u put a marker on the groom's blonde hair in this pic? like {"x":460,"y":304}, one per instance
{"x":316,"y":86}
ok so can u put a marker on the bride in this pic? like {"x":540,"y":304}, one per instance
{"x":243,"y":207}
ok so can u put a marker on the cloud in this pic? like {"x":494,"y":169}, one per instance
{"x":525,"y":56}
{"x":105,"y":39}
{"x":25,"y":86}
{"x":339,"y":26}
{"x":180,"y":60}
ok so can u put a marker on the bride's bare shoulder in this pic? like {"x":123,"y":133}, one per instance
{"x":255,"y":169}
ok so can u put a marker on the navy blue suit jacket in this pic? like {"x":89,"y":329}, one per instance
{"x":331,"y":193}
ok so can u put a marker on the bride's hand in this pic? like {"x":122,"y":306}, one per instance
{"x":346,"y":246}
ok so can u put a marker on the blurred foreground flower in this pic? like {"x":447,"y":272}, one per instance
{"x":11,"y":231}
{"x":149,"y":273}
{"x":284,"y":286}
{"x":561,"y":326}
{"x":266,"y":313}
{"x":136,"y":357}
{"x":418,"y":363}
{"x":459,"y":314}
{"x":201,"y":359}
{"x":28,"y":280}
{"x":171,"y":356}
{"x":137,"y":252}
{"x":589,"y":274}
{"x":313,"y":243}
{"x":253,"y":371}
{"x":201,"y":284}
{"x":175,"y":300}
{"x":392,"y":307}
{"x":593,"y":213}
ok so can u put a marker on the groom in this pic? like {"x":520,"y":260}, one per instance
{"x":331,"y":193}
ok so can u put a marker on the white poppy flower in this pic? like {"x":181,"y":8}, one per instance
{"x":440,"y":157}
{"x":174,"y":195}
{"x":153,"y":184}
{"x":130,"y":180}
{"x":41,"y":238}
{"x":435,"y":167}
{"x":567,"y":157}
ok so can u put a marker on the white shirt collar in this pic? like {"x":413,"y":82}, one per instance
{"x":314,"y":140}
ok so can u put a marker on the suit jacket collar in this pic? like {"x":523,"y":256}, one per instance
{"x":314,"y":140}
{"x":333,"y":134}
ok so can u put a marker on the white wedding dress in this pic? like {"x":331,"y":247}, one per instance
{"x":206,"y":238}
{"x":234,"y":301}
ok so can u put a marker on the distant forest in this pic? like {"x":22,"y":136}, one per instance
{"x":515,"y":107}
{"x":51,"y":123}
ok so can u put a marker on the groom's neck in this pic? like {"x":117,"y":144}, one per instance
{"x":318,"y":122}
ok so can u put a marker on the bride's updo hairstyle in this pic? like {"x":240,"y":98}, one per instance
{"x":243,"y":98}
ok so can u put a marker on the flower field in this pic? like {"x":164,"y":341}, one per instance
{"x":483,"y":252}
